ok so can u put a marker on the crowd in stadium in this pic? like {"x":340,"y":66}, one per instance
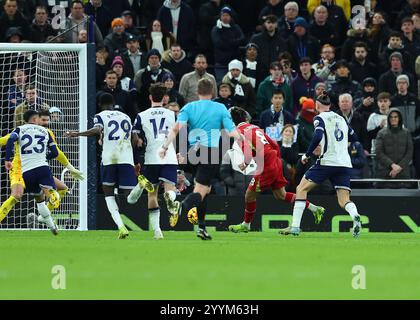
{"x":271,"y":58}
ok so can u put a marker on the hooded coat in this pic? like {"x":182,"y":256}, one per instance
{"x":177,"y":67}
{"x":243,"y":94}
{"x":394,"y":145}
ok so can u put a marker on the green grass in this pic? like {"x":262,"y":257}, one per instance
{"x":232,"y":266}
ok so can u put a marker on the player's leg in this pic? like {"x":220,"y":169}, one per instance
{"x":290,"y":197}
{"x":250,"y":207}
{"x":62,"y":191}
{"x":143,"y":183}
{"x":343,"y":196}
{"x":15,"y":196}
{"x":154,"y":212}
{"x":109,"y":180}
{"x":168,"y":174}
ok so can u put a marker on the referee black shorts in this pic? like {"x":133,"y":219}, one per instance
{"x":208,"y":169}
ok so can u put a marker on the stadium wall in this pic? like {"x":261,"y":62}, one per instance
{"x":379,"y":214}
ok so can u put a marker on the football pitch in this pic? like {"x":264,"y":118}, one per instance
{"x":96,"y":265}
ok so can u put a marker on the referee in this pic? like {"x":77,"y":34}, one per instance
{"x":205,"y":120}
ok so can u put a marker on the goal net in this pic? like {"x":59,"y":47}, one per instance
{"x":53,"y":77}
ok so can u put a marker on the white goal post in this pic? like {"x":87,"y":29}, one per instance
{"x":59,"y":75}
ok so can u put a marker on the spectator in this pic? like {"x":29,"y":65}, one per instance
{"x":343,"y":83}
{"x":247,"y":14}
{"x":14,"y":35}
{"x":411,"y":39}
{"x":209,"y":13}
{"x":336,"y":17}
{"x":16,"y":91}
{"x":270,"y":43}
{"x":321,"y":29}
{"x":145,"y":77}
{"x":410,"y":8}
{"x":77,"y":20}
{"x":416,"y":20}
{"x":289,"y":74}
{"x":226,"y":37}
{"x":345,"y":5}
{"x":189,"y":82}
{"x":394,"y":149}
{"x":408,"y":105}
{"x":252,"y":68}
{"x":102,"y":65}
{"x":354,"y":119}
{"x":289,"y":151}
{"x":366,"y":104}
{"x":133,"y":58}
{"x":378,"y":119}
{"x":32,"y":102}
{"x":11,"y":17}
{"x":273,"y":7}
{"x":116,"y":41}
{"x":123,"y":100}
{"x":276,"y":116}
{"x":320,"y":87}
{"x":300,"y":44}
{"x":83,"y":36}
{"x":175,"y":60}
{"x":387,"y":80}
{"x":168,"y":80}
{"x":178,"y":18}
{"x":325,"y":67}
{"x":150,"y":9}
{"x":359,"y":34}
{"x":40,"y":28}
{"x":126,"y":83}
{"x":305,"y":121}
{"x":286,"y":23}
{"x":117,"y":7}
{"x":304,"y":84}
{"x":224,"y":97}
{"x":175,"y":107}
{"x":395,"y":44}
{"x":358,"y":159}
{"x":243,"y":94}
{"x":379,"y":32}
{"x":418,"y":75}
{"x":101,"y":13}
{"x":158,"y":38}
{"x":274,"y":82}
{"x":360,"y":67}
{"x":129,"y":22}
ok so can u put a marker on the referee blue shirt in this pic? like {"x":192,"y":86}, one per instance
{"x":205,"y":119}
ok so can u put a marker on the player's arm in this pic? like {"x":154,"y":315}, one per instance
{"x":10,"y":146}
{"x":52,"y":147}
{"x":3,"y":140}
{"x":316,"y":138}
{"x":95,"y":131}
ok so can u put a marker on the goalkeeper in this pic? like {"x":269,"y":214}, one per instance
{"x":17,"y":184}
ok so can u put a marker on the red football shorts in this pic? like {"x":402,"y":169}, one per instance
{"x":271,"y":177}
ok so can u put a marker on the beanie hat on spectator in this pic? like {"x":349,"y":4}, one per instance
{"x":319,"y":84}
{"x":154,"y":52}
{"x":117,"y":22}
{"x":117,"y":60}
{"x":402,"y":77}
{"x":168,"y":76}
{"x":369,"y":80}
{"x":226,"y":10}
{"x":252,"y":45}
{"x":397,"y":55}
{"x":301,"y":22}
{"x":13,"y":31}
{"x":236,"y":64}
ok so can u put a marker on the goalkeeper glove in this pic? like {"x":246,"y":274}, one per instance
{"x":76,"y":174}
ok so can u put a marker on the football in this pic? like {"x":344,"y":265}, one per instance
{"x":193,"y":216}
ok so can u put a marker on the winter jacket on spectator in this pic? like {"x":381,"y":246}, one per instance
{"x":39,"y":34}
{"x":228,"y":102}
{"x":325,"y":34}
{"x":358,"y":159}
{"x":265,"y":93}
{"x":409,"y":107}
{"x":103,"y":16}
{"x":393,"y":145}
{"x":303,"y":88}
{"x":270,"y":118}
{"x":188,"y":85}
{"x":412,"y":47}
{"x":243,"y":94}
{"x":186,"y":23}
{"x":73,"y":36}
{"x":344,"y":85}
{"x":408,"y":60}
{"x":117,"y":7}
{"x":338,"y":19}
{"x":177,"y":67}
{"x":247,"y":13}
{"x":387,"y":82}
{"x":305,"y":131}
{"x":367,"y":103}
{"x":129,"y":69}
{"x":378,"y":36}
{"x":358,"y":124}
{"x":116,"y":43}
{"x":374,"y":126}
{"x":353,"y":37}
{"x":286,"y":27}
{"x":418,"y":75}
{"x":15,"y":96}
{"x":226,"y":42}
{"x":299,"y":48}
{"x":269,"y":48}
{"x":269,"y":9}
{"x":359,"y":71}
{"x":175,"y":96}
{"x":143,"y":80}
{"x":150,"y":9}
{"x":345,"y":5}
{"x":123,"y":100}
{"x":18,"y":21}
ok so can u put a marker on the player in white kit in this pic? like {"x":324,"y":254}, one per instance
{"x":153,"y":125}
{"x":36,"y":146}
{"x":117,"y":169}
{"x":333,"y":134}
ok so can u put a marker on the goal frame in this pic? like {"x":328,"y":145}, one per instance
{"x":87,"y":110}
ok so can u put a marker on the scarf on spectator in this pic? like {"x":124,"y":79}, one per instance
{"x":157,"y":41}
{"x":170,"y":5}
{"x":239,"y":91}
{"x":278,"y":116}
{"x":154,"y":72}
{"x":220,"y":24}
{"x":251,"y":67}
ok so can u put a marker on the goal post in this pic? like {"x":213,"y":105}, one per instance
{"x":63,"y":79}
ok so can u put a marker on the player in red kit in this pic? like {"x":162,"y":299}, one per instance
{"x":269,"y":173}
